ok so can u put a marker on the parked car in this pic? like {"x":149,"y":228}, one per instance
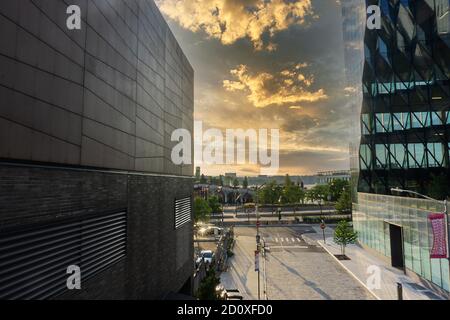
{"x":228,"y":294}
{"x":210,"y":230}
{"x":233,"y":294}
{"x":205,"y":255}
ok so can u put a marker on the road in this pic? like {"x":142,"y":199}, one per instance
{"x":293,"y":270}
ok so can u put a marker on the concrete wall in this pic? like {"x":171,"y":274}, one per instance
{"x":86,"y":118}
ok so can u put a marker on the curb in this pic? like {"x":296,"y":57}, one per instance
{"x":346,"y":269}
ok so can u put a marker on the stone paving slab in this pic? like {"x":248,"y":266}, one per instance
{"x":362,"y":260}
{"x":289,"y":272}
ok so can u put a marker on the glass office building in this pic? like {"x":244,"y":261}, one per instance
{"x":405,"y":133}
{"x":353,"y":22}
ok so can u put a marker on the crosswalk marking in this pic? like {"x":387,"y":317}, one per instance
{"x":287,"y":240}
{"x":289,"y":247}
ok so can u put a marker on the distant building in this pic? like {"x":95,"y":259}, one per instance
{"x":326,"y":177}
{"x":231,"y":174}
{"x":353,"y":22}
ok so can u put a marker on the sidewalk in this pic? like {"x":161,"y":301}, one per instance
{"x":358,"y":266}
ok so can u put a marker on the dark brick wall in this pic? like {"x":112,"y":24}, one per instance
{"x":40,"y":195}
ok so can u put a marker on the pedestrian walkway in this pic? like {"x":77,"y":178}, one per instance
{"x":363,"y":265}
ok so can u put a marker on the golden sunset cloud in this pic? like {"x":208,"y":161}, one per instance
{"x":230,"y":20}
{"x":265,"y":89}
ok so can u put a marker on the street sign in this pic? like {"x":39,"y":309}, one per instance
{"x":322,"y":226}
{"x":256,"y":260}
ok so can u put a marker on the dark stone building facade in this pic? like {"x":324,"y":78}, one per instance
{"x":86,"y":176}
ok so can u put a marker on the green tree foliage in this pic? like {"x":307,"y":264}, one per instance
{"x":287,"y":181}
{"x":214,"y":204}
{"x":202,"y":210}
{"x":293,"y":194}
{"x":344,"y":235}
{"x":344,"y":204}
{"x":245,"y":183}
{"x":318,"y":193}
{"x":207,"y":288}
{"x":221,"y":180}
{"x":202,"y":179}
{"x":337,"y":187}
{"x":270,"y":194}
{"x":235,"y":183}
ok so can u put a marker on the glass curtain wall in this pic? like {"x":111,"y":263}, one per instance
{"x":372,"y":216}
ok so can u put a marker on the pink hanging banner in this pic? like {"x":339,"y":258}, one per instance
{"x":439,"y":250}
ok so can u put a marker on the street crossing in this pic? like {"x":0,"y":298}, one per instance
{"x":285,"y":240}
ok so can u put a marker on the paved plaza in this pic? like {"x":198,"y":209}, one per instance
{"x":293,"y":269}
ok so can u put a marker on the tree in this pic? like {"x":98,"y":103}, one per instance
{"x":207,"y":288}
{"x":318,"y":193}
{"x":235,"y":183}
{"x":245,"y":183}
{"x":202,"y":210}
{"x":287,"y":181}
{"x":293,"y":194}
{"x":221,"y":180}
{"x":214,"y":204}
{"x":227,"y":181}
{"x":270,"y":193}
{"x":344,"y":235}
{"x":202,"y":179}
{"x":336,"y":188}
{"x":344,"y":204}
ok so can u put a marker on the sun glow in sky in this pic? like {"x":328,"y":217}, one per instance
{"x":269,"y":64}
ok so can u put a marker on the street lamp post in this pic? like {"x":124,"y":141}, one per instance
{"x":257,"y":234}
{"x":443,"y":202}
{"x":219,"y":192}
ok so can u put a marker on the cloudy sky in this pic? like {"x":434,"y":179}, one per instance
{"x":269,"y":64}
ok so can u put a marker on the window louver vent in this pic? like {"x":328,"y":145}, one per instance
{"x":33,"y":262}
{"x":182,"y":212}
